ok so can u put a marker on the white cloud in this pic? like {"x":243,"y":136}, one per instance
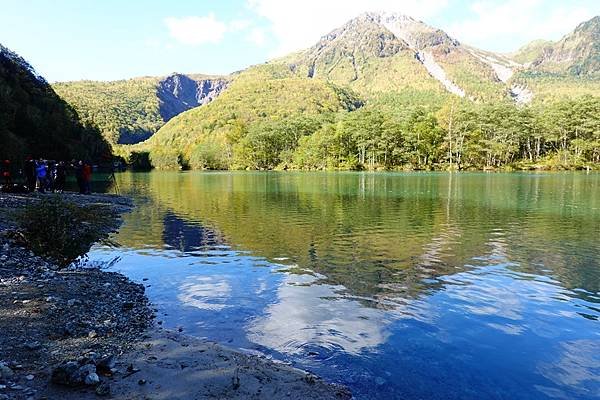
{"x":239,"y":25}
{"x":257,"y":37}
{"x":498,"y":26}
{"x":196,"y":30}
{"x":299,"y":24}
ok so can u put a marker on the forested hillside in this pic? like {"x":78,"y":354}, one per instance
{"x":390,"y":133}
{"x":234,"y":127}
{"x":385,"y":91}
{"x":35,"y":121}
{"x":130,"y":111}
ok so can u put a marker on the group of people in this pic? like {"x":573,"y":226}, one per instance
{"x":44,"y":175}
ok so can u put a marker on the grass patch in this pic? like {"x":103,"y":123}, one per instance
{"x":62,"y":230}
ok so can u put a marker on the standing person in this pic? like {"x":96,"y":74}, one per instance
{"x":6,"y":172}
{"x":87,"y":178}
{"x":41,"y":174}
{"x":51,"y":176}
{"x":30,"y":174}
{"x":60,"y":177}
{"x":79,"y":176}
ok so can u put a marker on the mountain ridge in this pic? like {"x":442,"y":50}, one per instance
{"x":577,"y":53}
{"x":427,"y":51}
{"x":372,"y":55}
{"x":130,"y":111}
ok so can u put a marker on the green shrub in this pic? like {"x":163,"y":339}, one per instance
{"x":62,"y":230}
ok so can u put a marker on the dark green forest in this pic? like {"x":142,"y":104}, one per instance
{"x":35,"y":121}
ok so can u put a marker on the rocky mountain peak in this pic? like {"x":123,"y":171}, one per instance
{"x":178,"y":93}
{"x":363,"y":31}
{"x":416,"y":33}
{"x":577,"y":53}
{"x":592,"y":26}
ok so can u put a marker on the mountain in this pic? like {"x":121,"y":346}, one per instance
{"x":389,"y":52}
{"x":567,"y":68}
{"x":386,"y":90}
{"x":578,"y":53}
{"x":130,"y":111}
{"x":530,"y":52}
{"x":35,"y":121}
{"x":373,"y":55}
{"x":260,"y":94}
{"x":366,"y":56}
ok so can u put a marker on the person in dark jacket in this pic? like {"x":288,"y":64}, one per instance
{"x":51,"y":176}
{"x":79,"y":176}
{"x":60,"y":177}
{"x":6,"y":172}
{"x":30,"y":173}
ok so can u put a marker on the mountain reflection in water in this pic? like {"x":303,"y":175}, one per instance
{"x":440,"y":286}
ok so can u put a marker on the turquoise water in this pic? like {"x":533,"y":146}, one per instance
{"x":408,"y":286}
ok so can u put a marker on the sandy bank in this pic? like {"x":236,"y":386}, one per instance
{"x":50,"y":317}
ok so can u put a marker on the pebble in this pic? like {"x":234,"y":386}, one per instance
{"x":32,"y":346}
{"x":103,"y":389}
{"x":5,"y":371}
{"x":73,"y":302}
{"x":106,"y":364}
{"x":92,"y":379}
{"x":29,"y":377}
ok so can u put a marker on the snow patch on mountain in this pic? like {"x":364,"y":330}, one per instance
{"x":438,"y":73}
{"x":502,"y":70}
{"x":412,"y":32}
{"x":403,"y":26}
{"x":521,"y":95}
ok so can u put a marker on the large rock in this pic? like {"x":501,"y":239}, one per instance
{"x":72,"y":373}
{"x":5,"y":372}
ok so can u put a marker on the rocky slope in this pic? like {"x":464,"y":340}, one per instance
{"x":178,"y":93}
{"x":577,"y":53}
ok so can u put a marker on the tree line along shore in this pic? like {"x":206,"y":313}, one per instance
{"x":390,"y":134}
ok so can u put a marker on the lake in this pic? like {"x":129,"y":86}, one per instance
{"x":398,"y":285}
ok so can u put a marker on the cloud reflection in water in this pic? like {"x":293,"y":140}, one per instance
{"x":315,"y":314}
{"x":205,"y":292}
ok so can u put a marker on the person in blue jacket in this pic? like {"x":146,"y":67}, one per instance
{"x":41,"y":173}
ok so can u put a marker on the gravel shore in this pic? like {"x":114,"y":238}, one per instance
{"x":85,"y":333}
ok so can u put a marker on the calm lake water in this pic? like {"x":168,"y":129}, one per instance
{"x":407,"y":286}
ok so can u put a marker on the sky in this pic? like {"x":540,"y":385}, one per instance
{"x":118,"y":39}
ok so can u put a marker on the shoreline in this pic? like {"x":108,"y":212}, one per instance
{"x":103,"y":324}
